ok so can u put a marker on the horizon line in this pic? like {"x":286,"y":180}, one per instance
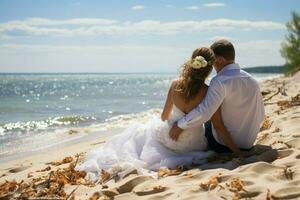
{"x":121,"y":72}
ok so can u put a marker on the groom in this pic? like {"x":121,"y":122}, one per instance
{"x":238,"y":95}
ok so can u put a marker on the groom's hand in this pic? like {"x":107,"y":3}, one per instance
{"x":175,"y":132}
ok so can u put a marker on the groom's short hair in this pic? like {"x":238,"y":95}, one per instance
{"x":223,"y":48}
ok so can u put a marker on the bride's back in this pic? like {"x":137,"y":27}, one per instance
{"x":193,"y":138}
{"x":186,"y":106}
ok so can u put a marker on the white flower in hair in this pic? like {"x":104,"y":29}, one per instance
{"x":198,"y":62}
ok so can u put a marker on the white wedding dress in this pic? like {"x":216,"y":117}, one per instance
{"x":146,"y":148}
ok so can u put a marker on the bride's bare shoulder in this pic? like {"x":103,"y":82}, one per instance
{"x":174,"y":83}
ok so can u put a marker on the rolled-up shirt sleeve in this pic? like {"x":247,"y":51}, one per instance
{"x":208,"y":106}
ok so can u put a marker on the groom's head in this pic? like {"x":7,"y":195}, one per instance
{"x":224,"y":53}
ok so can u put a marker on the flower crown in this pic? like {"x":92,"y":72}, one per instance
{"x":198,"y":62}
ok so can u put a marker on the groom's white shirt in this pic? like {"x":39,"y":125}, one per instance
{"x":241,"y":103}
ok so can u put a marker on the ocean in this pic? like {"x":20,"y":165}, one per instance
{"x":40,"y":110}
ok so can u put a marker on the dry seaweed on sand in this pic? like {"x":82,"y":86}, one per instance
{"x":237,"y":185}
{"x":46,"y":186}
{"x":105,"y":176}
{"x":266,"y":124}
{"x":64,"y":161}
{"x":281,"y":90}
{"x":212,"y":183}
{"x":295,"y":101}
{"x":45,"y":169}
{"x":163,"y":172}
{"x":8,"y":187}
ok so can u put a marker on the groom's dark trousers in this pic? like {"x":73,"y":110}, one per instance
{"x":213,"y":144}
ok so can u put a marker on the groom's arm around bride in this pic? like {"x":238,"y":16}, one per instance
{"x":238,"y":97}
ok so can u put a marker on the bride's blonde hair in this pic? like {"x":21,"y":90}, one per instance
{"x":191,"y":78}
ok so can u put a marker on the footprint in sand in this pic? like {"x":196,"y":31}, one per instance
{"x":18,"y":169}
{"x":150,"y":191}
{"x":128,"y":184}
{"x":294,"y":143}
{"x":285,"y":153}
{"x":296,"y":136}
{"x":287,"y":193}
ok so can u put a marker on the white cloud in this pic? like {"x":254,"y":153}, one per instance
{"x":192,"y":8}
{"x":36,"y":21}
{"x":169,"y":5}
{"x":98,"y":26}
{"x":212,"y":5}
{"x":138,"y":7}
{"x":219,"y":37}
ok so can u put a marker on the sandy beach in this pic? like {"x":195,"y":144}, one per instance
{"x":273,"y":173}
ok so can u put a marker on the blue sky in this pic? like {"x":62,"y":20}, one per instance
{"x":136,"y":36}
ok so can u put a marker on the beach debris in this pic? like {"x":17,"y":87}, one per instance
{"x":104,"y":186}
{"x":281,"y":90}
{"x":188,"y":174}
{"x":45,"y":169}
{"x":73,"y":131}
{"x":64,"y":161}
{"x":262,"y":137}
{"x":95,"y":196}
{"x":278,"y":112}
{"x":265,"y":92}
{"x":113,"y":172}
{"x":237,"y":185}
{"x":295,"y":101}
{"x":283,"y":104}
{"x":158,"y":187}
{"x":276,"y":130}
{"x":163,"y":172}
{"x":266,"y":124}
{"x":46,"y":186}
{"x":7,"y":189}
{"x":281,"y":142}
{"x":236,"y":196}
{"x":269,"y":197}
{"x":100,"y":196}
{"x":212,"y":183}
{"x":288,"y":173}
{"x":105,"y":176}
{"x":29,"y":175}
{"x":221,"y":187}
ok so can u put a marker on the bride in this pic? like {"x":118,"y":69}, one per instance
{"x":148,"y":147}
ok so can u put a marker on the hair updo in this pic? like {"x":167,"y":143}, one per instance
{"x":191,"y":78}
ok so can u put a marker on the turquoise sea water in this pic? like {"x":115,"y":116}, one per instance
{"x":37,"y":109}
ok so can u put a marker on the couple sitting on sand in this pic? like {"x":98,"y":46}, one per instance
{"x":222,"y":117}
